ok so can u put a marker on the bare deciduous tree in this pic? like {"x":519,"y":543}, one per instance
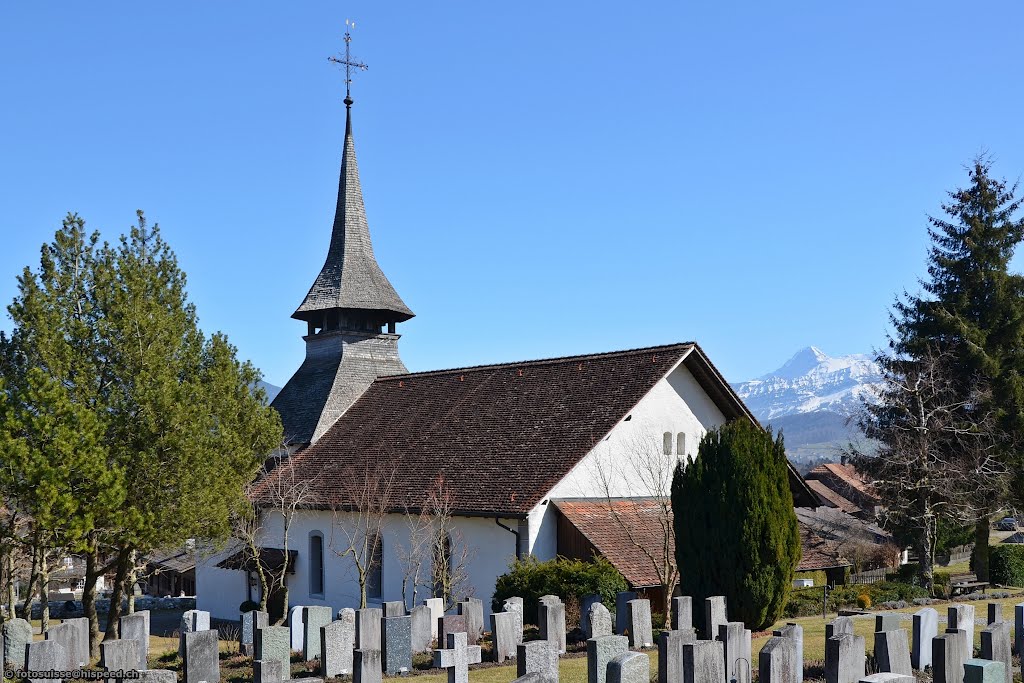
{"x":937,"y":457}
{"x":450,"y":554}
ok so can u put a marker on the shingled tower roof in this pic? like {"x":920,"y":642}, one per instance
{"x":350,"y":277}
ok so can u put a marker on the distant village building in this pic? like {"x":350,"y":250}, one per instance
{"x":510,"y":449}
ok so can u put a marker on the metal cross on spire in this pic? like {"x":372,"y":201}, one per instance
{"x":348,"y":62}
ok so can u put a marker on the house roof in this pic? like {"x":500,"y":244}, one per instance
{"x":818,"y":553}
{"x":272,"y":560}
{"x":831,"y":498}
{"x":500,"y":436}
{"x":350,"y":277}
{"x":179,"y":559}
{"x":616,"y":527}
{"x":840,"y":485}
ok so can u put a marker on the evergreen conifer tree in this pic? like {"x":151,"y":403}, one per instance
{"x":735,"y":528}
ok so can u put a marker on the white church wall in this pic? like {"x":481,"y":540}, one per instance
{"x":221,"y":591}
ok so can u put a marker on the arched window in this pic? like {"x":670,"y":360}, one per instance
{"x":316,"y":563}
{"x":666,"y":443}
{"x":375,"y":569}
{"x":681,"y":444}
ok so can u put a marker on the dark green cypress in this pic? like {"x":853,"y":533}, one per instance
{"x":736,"y":531}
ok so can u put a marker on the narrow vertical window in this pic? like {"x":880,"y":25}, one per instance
{"x":316,"y":563}
{"x":666,"y":442}
{"x":680,"y":444}
{"x":375,"y":569}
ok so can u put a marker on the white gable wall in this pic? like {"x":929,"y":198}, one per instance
{"x":626,"y":457}
{"x":676,"y":404}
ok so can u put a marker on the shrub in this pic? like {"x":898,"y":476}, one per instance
{"x":864,"y":601}
{"x":806,"y":602}
{"x":1007,"y":565}
{"x":248,"y":606}
{"x":570,"y":580}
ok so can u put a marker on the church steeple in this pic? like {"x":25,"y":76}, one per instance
{"x":351,"y":291}
{"x":351,"y":311}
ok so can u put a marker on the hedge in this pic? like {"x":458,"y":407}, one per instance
{"x":568,"y":579}
{"x":806,"y":602}
{"x":1006,"y":565}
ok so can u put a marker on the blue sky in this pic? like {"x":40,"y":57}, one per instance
{"x":541,"y":179}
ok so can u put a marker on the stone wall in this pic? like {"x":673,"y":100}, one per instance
{"x":60,"y":609}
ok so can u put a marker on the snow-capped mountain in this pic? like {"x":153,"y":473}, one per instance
{"x":811,"y":397}
{"x":811,"y":381}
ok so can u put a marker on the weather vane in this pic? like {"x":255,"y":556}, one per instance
{"x":348,"y":62}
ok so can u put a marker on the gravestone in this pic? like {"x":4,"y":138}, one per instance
{"x":892,"y":652}
{"x":515,"y":604}
{"x":451,"y":623}
{"x":396,"y":639}
{"x":682,"y":612}
{"x":298,"y":631}
{"x":600,"y":651}
{"x":641,"y":632}
{"x":314,"y":618}
{"x":838,"y":626}
{"x":366,"y":665}
{"x":926,"y":627}
{"x":966,"y":646}
{"x":457,"y":657}
{"x":157,"y":676}
{"x":202,"y":657}
{"x":422,"y":637}
{"x":436,"y":607}
{"x":536,"y":657}
{"x":714,"y":616}
{"x":704,"y":662}
{"x":529,"y":678}
{"x":995,"y":646}
{"x":191,"y":621}
{"x":948,"y":658}
{"x":599,"y":620}
{"x":273,"y":644}
{"x":17,"y":636}
{"x":670,"y":654}
{"x":552,"y":625}
{"x":622,"y":599}
{"x":79,"y":649}
{"x":473,"y":610}
{"x":394,"y":608}
{"x":136,"y":627}
{"x":995,"y":613}
{"x":337,"y":641}
{"x":504,"y":638}
{"x":888,"y":678}
{"x":775,"y":662}
{"x":368,"y":628}
{"x":844,"y":658}
{"x":65,"y":635}
{"x":1018,"y":627}
{"x":45,"y":655}
{"x":736,"y":640}
{"x":887,"y":622}
{"x":119,"y":655}
{"x":267,"y":671}
{"x":585,"y":603}
{"x":248,"y":623}
{"x":794,"y":632}
{"x":984,"y":671}
{"x":630,"y":667}
{"x":961,"y":618}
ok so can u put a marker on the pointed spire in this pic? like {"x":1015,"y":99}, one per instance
{"x":351,"y":277}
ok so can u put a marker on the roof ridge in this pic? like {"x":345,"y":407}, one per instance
{"x":538,"y":361}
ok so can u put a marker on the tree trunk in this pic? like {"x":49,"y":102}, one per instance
{"x":30,"y":589}
{"x":12,"y":597}
{"x":114,"y":615}
{"x":44,"y":592}
{"x":979,"y":557}
{"x":89,"y":602}
{"x":129,"y":581}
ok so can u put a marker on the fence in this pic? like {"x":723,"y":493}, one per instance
{"x":870,"y":576}
{"x":958,"y":554}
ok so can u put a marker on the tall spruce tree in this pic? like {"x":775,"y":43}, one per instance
{"x":735,"y":529}
{"x":972,"y":309}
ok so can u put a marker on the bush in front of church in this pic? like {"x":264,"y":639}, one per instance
{"x":735,"y":529}
{"x":570,"y":580}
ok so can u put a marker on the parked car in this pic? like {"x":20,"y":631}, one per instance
{"x":1007,"y":524}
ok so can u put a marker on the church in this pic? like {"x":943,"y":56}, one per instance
{"x":499,"y":461}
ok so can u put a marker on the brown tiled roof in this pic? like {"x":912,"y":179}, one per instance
{"x":501,"y":436}
{"x":272,"y":559}
{"x":818,"y":553}
{"x":615,"y":528}
{"x":179,"y":559}
{"x":831,"y":498}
